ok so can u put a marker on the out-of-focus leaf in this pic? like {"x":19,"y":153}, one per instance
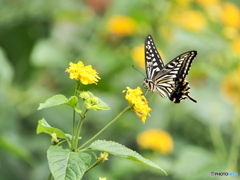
{"x":6,"y":71}
{"x":15,"y":149}
{"x":46,"y":53}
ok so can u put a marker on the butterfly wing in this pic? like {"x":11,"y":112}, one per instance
{"x":153,"y":61}
{"x":170,"y":80}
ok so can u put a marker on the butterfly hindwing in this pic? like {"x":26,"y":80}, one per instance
{"x":168,"y":80}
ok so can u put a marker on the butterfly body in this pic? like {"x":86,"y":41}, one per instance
{"x":167,"y":80}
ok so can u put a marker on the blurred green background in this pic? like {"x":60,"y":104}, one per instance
{"x":39,"y":38}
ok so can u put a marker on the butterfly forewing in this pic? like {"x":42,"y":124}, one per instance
{"x":168,"y":80}
{"x":153,"y":61}
{"x":187,"y":59}
{"x":178,"y":67}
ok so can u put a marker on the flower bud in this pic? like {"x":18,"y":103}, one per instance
{"x":84,"y":95}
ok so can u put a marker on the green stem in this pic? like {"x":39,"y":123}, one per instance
{"x":73,"y":127}
{"x":74,"y":118}
{"x":234,"y":151}
{"x":94,"y":165}
{"x":103,"y":129}
{"x":79,"y":127}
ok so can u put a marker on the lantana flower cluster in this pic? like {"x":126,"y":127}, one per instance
{"x":84,"y":74}
{"x":138,"y":102}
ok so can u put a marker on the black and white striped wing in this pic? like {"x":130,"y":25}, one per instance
{"x":153,"y":61}
{"x":170,"y":80}
{"x":176,"y":68}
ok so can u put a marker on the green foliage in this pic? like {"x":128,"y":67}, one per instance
{"x":65,"y":164}
{"x":64,"y":31}
{"x":44,"y":127}
{"x":119,"y":150}
{"x":95,"y":103}
{"x":59,"y":100}
{"x":71,"y":163}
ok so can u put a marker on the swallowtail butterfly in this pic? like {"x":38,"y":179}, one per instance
{"x":168,"y":80}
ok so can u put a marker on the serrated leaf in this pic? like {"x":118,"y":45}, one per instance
{"x":44,"y":127}
{"x":59,"y":100}
{"x":122,"y":151}
{"x":67,"y":165}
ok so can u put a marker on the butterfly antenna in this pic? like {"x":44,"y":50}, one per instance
{"x":152,"y":96}
{"x":138,"y":70}
{"x":146,"y":93}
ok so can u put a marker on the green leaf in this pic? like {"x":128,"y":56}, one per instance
{"x":122,"y":151}
{"x":59,"y":100}
{"x":53,"y":101}
{"x":44,"y":127}
{"x":16,"y":149}
{"x":73,"y":100}
{"x":99,"y":105}
{"x":67,"y":165}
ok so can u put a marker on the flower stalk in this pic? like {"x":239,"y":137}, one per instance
{"x":103,"y":129}
{"x":74,"y":118}
{"x":103,"y":157}
{"x":78,"y":131}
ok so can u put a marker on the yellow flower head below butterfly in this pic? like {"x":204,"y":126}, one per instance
{"x":84,"y":74}
{"x":157,"y":140}
{"x":138,"y":102}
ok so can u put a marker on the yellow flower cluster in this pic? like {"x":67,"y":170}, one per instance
{"x":231,"y":87}
{"x":137,"y":54}
{"x":138,"y":102}
{"x":157,"y":140}
{"x":121,"y":25}
{"x":230,"y":15}
{"x":208,"y":3}
{"x":190,"y":20}
{"x":84,"y":74}
{"x":103,"y":157}
{"x":235,"y":44}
